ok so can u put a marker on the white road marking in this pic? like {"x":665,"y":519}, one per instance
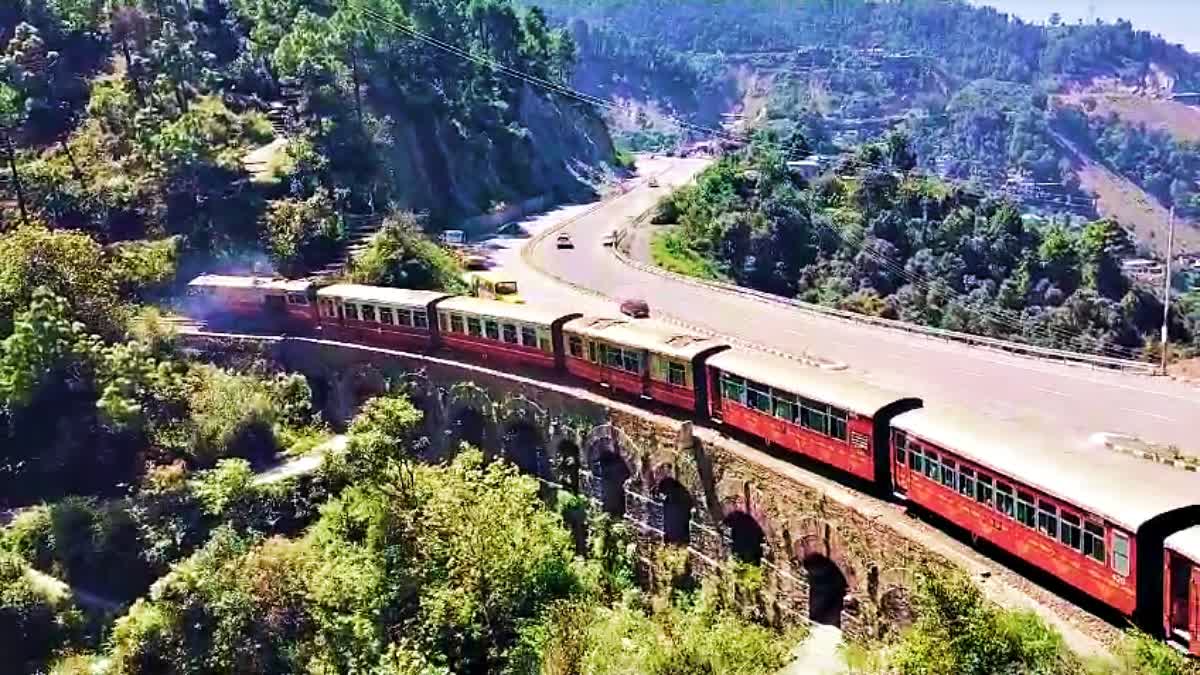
{"x":1149,"y":414}
{"x":1051,"y":391}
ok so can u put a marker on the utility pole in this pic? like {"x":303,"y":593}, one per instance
{"x":1167,"y":287}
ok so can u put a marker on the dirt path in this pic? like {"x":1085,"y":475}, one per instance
{"x":1122,"y":199}
{"x":818,"y":655}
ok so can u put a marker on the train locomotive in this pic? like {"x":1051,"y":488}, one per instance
{"x":1122,"y":531}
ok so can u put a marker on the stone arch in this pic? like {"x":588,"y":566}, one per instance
{"x":322,"y":387}
{"x":612,"y":473}
{"x":734,"y":495}
{"x":745,"y":537}
{"x":566,"y":464}
{"x":365,"y":381}
{"x":827,"y":590}
{"x":677,"y":511}
{"x":608,"y":438}
{"x":523,"y":409}
{"x":523,"y":444}
{"x":469,"y":417}
{"x":815,"y":537}
{"x":467,"y":425}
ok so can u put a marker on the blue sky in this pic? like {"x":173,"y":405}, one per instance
{"x":1176,"y":20}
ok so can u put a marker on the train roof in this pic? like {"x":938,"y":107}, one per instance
{"x":501,"y":310}
{"x":1186,"y":542}
{"x":405,"y":297}
{"x":655,"y":336}
{"x":838,"y":389}
{"x":264,"y":283}
{"x":1126,"y":490}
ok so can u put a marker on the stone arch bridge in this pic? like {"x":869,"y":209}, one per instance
{"x":823,"y":560}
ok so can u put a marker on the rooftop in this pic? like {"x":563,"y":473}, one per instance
{"x":1124,"y":489}
{"x":835,"y":388}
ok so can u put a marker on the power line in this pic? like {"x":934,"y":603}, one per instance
{"x":999,"y":315}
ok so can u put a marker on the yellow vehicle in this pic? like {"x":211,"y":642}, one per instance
{"x":492,"y":286}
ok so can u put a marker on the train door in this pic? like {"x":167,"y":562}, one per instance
{"x":900,"y":463}
{"x":1194,"y":612}
{"x":1179,"y":605}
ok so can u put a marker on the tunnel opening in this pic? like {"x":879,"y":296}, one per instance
{"x":677,"y":512}
{"x":613,"y":474}
{"x":467,"y":427}
{"x":826,"y":591}
{"x":522,"y":445}
{"x":567,"y":461}
{"x":746,"y":538}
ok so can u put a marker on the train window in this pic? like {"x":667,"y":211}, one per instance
{"x":403,"y":318}
{"x":1120,"y":553}
{"x":899,"y":440}
{"x":420,"y":319}
{"x":814,"y":415}
{"x":491,"y":329}
{"x":386,"y":317}
{"x":544,"y":343}
{"x":632,"y":361}
{"x":733,"y":388}
{"x":758,"y":397}
{"x":509,"y":331}
{"x":1093,"y":541}
{"x":1069,"y":532}
{"x":915,"y":458}
{"x":611,"y":356}
{"x":351,"y":311}
{"x":949,"y":475}
{"x":933,"y":468}
{"x":529,"y":336}
{"x":785,"y":405}
{"x":1004,"y":500}
{"x":677,"y":374}
{"x":456,"y":323}
{"x":1048,"y":519}
{"x":592,"y":355}
{"x":966,"y":482}
{"x":444,"y":321}
{"x":837,"y":423}
{"x":575,"y":346}
{"x":983,"y":489}
{"x":1026,"y":513}
{"x":474,"y":326}
{"x":368,"y":313}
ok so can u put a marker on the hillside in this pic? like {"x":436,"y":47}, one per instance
{"x":137,"y":123}
{"x":978,"y":91}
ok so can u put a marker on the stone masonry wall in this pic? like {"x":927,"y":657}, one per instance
{"x":623,"y":459}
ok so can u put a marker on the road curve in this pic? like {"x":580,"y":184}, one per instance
{"x":1079,"y":399}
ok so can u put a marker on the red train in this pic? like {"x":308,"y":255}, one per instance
{"x":1123,"y":531}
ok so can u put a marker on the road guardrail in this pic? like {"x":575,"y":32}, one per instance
{"x":1009,"y":346}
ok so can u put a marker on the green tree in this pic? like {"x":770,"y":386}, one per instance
{"x":12,"y":116}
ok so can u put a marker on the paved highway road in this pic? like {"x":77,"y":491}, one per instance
{"x":1086,"y":401}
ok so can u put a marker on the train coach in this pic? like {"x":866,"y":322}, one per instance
{"x":1121,"y":530}
{"x":1094,"y":518}
{"x":234,"y":300}
{"x":829,"y":417}
{"x":1181,"y":589}
{"x":645,"y":358}
{"x":388,"y":317}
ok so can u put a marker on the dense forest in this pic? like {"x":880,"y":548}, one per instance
{"x":972,"y":42}
{"x":875,"y":238}
{"x":244,"y":126}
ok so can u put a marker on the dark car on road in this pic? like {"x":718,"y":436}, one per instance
{"x":635,"y":307}
{"x":564,"y":241}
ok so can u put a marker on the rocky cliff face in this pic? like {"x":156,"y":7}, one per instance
{"x":552,"y":145}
